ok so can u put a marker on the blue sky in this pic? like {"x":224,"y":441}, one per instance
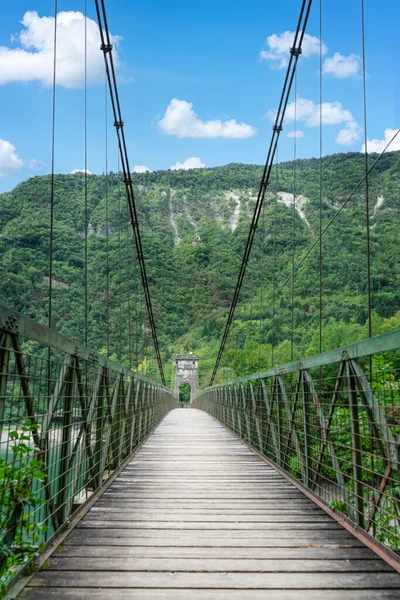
{"x":197,"y":81}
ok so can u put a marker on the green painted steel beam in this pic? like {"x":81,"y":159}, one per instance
{"x":13,"y":322}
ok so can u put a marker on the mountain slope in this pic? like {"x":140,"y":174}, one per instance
{"x":194,"y":227}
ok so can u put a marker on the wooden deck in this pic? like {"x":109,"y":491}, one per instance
{"x":196,"y":515}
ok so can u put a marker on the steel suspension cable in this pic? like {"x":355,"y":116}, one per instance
{"x":367,"y":219}
{"x":295,"y":52}
{"x":52,"y":180}
{"x":136,"y":325}
{"x":237,"y":345}
{"x":107,"y":50}
{"x":128,"y":281}
{"x":86,"y":185}
{"x":107,"y":228}
{"x":293,"y":219}
{"x":119,"y":267}
{"x":274,"y":257}
{"x":320,"y":178}
{"x":261,"y":286}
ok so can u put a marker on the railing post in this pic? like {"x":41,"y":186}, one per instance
{"x":278,"y":391}
{"x":63,"y":472}
{"x":5,"y":341}
{"x":99,"y":429}
{"x":305,"y":395}
{"x":356,"y":447}
{"x":134,"y":416}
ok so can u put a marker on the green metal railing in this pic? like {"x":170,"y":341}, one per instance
{"x":331,"y":422}
{"x":68,"y":419}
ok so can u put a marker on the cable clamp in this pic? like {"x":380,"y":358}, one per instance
{"x":277,"y":128}
{"x":106,"y":48}
{"x":118,"y":124}
{"x":295,"y":51}
{"x":127,"y":180}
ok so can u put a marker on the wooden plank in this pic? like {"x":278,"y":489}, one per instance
{"x":246,"y":581}
{"x":199,"y":511}
{"x":93,"y":537}
{"x":79,"y":593}
{"x":197,"y":535}
{"x":207,"y":565}
{"x":206,"y":517}
{"x":326,"y":552}
{"x":301,"y":503}
{"x":256,"y":529}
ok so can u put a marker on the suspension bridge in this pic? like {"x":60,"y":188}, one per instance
{"x":282,"y":483}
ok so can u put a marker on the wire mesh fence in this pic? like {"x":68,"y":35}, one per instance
{"x":68,"y":419}
{"x":332,"y":422}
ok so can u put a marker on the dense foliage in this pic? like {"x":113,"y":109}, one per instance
{"x":194,"y":226}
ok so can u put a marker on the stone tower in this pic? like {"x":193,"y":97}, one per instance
{"x":187,"y":371}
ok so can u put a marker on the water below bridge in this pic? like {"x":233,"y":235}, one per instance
{"x":196,"y":515}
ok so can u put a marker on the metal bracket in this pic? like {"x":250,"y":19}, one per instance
{"x":106,"y":48}
{"x":295,"y":51}
{"x":277,"y":128}
{"x":345,"y":355}
{"x":118,"y":124}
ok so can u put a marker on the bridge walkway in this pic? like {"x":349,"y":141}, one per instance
{"x":196,"y":515}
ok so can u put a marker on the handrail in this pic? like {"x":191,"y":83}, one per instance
{"x":380,"y":343}
{"x":35,"y":332}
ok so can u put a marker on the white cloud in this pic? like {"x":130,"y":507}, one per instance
{"x":295,"y":134}
{"x":75,"y":171}
{"x":279,"y":48}
{"x":379,"y":145}
{"x":181,"y":120}
{"x":341,"y":67}
{"x":331,"y":113}
{"x":9,"y":160}
{"x":307,"y":111}
{"x":350,"y":134}
{"x":190,"y":163}
{"x":36,"y":164}
{"x":32,"y":60}
{"x":141,"y":169}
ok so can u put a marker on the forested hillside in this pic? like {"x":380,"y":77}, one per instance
{"x":194,"y":227}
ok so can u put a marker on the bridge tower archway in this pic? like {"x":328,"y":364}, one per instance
{"x":187,"y":371}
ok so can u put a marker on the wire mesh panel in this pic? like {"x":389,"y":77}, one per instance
{"x":332,"y":422}
{"x":68,"y":419}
